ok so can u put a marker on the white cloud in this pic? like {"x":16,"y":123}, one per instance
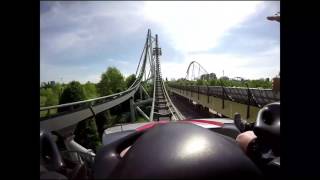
{"x":75,"y":30}
{"x":252,"y":66}
{"x":71,"y":32}
{"x":82,"y":27}
{"x":199,"y":25}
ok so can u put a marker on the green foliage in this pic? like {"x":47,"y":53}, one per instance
{"x":48,"y":97}
{"x":225,"y":81}
{"x":112,"y":81}
{"x":57,"y":89}
{"x":90,"y":90}
{"x":47,"y":84}
{"x":202,"y":82}
{"x":130,"y":80}
{"x":43,"y":100}
{"x":260,"y":83}
{"x":51,"y":94}
{"x":180,"y":81}
{"x":87,"y":134}
{"x":149,"y":88}
{"x":73,"y":92}
{"x":86,"y":131}
{"x":213,"y":82}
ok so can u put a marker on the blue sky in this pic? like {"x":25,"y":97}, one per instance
{"x":80,"y":40}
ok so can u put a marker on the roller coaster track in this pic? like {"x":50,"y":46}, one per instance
{"x":164,"y":107}
{"x":70,"y":114}
{"x":191,"y":74}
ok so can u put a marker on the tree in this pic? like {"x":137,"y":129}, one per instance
{"x":200,"y":82}
{"x":130,"y":80}
{"x":43,"y":101}
{"x":226,"y":82}
{"x":73,"y":92}
{"x":86,"y":131}
{"x":90,"y":90}
{"x":112,"y":81}
{"x":149,"y":87}
{"x":46,"y":85}
{"x":213,"y":82}
{"x":49,"y":98}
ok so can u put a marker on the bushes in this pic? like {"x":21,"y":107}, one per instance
{"x":112,"y":81}
{"x":258,"y":83}
{"x":86,"y":132}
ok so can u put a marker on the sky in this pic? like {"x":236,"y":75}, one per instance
{"x":79,"y":40}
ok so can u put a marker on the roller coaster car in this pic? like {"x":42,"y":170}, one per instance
{"x":188,"y":148}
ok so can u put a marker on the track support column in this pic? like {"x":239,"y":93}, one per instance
{"x":132,"y":110}
{"x":140,"y":91}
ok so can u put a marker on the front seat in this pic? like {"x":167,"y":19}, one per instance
{"x":174,"y":150}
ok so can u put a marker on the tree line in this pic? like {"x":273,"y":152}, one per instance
{"x":112,"y":81}
{"x":89,"y":132}
{"x":227,"y":82}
